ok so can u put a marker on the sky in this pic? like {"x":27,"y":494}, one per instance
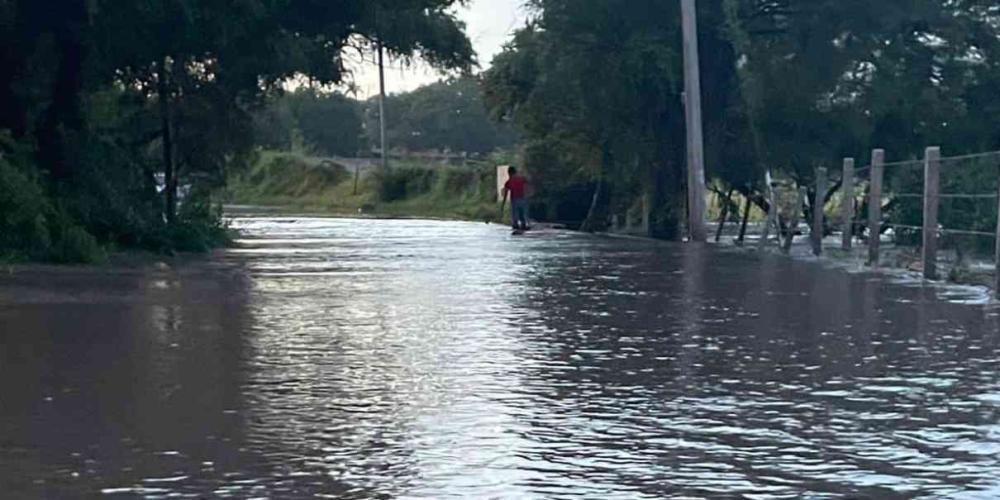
{"x":489,"y":24}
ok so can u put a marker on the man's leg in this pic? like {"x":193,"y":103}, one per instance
{"x":522,"y":213}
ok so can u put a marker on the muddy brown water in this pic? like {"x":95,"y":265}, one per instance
{"x":409,"y":359}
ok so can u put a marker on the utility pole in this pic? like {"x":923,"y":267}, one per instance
{"x":381,"y":107}
{"x":692,"y":112}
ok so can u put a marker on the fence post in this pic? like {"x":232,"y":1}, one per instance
{"x":847,"y":202}
{"x":818,"y":203}
{"x":875,"y":206}
{"x":932,"y":183}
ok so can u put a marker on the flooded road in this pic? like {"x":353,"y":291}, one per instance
{"x":408,"y":359}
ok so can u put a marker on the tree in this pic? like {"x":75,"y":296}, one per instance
{"x":101,"y":86}
{"x":221,"y":56}
{"x":595,"y":89}
{"x":328,"y":123}
{"x":828,"y":79}
{"x":447,"y":115}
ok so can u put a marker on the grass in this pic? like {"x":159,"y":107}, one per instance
{"x":297,"y":182}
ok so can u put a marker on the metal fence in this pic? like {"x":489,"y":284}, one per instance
{"x":935,"y":204}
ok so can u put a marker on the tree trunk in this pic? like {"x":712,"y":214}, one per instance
{"x":810,"y":207}
{"x":793,"y":222}
{"x":770,"y":205}
{"x":789,"y":234}
{"x":13,"y":115}
{"x":65,"y":114}
{"x":166,"y":125}
{"x":746,"y":219}
{"x":725,"y":214}
{"x":862,"y":215}
{"x":589,"y":224}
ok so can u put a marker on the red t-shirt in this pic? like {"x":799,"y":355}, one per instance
{"x":515,"y":185}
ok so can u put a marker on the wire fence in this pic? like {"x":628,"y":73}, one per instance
{"x":939,"y":212}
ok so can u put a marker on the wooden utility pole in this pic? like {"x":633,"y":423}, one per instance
{"x":381,"y":107}
{"x":692,"y":111}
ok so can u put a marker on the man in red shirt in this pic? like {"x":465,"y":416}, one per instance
{"x":515,"y":188}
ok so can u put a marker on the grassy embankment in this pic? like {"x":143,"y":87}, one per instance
{"x":300,"y":183}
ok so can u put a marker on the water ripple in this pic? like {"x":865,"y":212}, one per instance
{"x":411,"y":359}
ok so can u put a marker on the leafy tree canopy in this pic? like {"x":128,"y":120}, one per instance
{"x":120,"y":99}
{"x":448,"y":115}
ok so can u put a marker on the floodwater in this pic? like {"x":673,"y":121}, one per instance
{"x":406,"y":359}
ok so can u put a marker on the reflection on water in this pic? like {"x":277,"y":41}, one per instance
{"x":363,"y":359}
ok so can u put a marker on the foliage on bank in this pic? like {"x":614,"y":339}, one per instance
{"x":121,"y":119}
{"x":596,"y":89}
{"x":31,"y":225}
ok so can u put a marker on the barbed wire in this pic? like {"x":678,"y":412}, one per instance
{"x":906,"y":163}
{"x":967,"y":232}
{"x":967,"y":196}
{"x":957,"y":196}
{"x":922,"y":162}
{"x":972,"y":156}
{"x":903,"y":226}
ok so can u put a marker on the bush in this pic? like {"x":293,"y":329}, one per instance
{"x":31,"y":226}
{"x":113,"y":195}
{"x":400,"y":183}
{"x":456,"y":182}
{"x":23,"y":208}
{"x":73,"y":244}
{"x":200,"y":226}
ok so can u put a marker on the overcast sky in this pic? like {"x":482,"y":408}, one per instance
{"x":489,"y":23}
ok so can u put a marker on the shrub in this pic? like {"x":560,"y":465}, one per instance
{"x":31,"y":225}
{"x":23,"y":206}
{"x":31,"y":228}
{"x":72,"y":244}
{"x":200,"y":225}
{"x":400,"y":183}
